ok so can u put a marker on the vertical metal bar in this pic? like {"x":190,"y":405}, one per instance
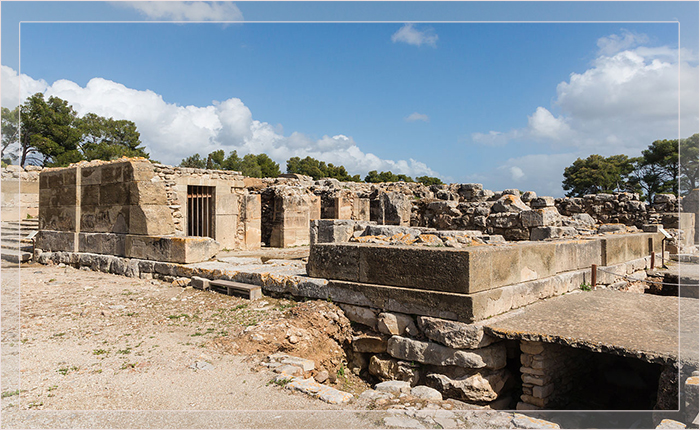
{"x":594,"y":275}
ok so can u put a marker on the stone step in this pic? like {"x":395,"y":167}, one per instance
{"x":253,"y":292}
{"x":15,"y":256}
{"x":15,"y":245}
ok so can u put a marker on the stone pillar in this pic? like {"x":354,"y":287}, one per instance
{"x":314,"y":207}
{"x":252,"y":221}
{"x":343,"y":207}
{"x":360,"y":209}
{"x":291,"y":221}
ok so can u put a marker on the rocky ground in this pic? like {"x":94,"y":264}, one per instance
{"x":89,"y":349}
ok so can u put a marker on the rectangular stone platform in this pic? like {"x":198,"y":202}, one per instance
{"x":475,"y":269}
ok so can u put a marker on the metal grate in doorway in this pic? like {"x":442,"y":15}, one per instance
{"x":200,"y":206}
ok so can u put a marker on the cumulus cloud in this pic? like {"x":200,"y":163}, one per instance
{"x":17,"y":87}
{"x":541,"y":173}
{"x":172,"y":132}
{"x":610,"y":45}
{"x":186,"y":10}
{"x":411,"y":35}
{"x":621,"y":104}
{"x":415,"y":116}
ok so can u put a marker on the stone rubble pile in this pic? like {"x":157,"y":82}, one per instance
{"x":459,"y":360}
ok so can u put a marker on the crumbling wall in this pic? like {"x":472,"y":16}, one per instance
{"x":20,"y":192}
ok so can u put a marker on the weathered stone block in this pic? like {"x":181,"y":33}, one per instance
{"x":455,"y":334}
{"x":114,"y":219}
{"x":397,"y":299}
{"x":51,"y":240}
{"x":483,"y":386}
{"x":396,"y":324}
{"x":90,"y":195}
{"x":102,"y":243}
{"x":171,"y":249}
{"x":360,"y":314}
{"x":150,"y":220}
{"x":369,"y":343}
{"x":148,"y":193}
{"x":542,"y":202}
{"x":332,"y":261}
{"x":91,"y":175}
{"x":116,"y":193}
{"x":541,"y":217}
{"x":537,"y":260}
{"x":491,"y":357}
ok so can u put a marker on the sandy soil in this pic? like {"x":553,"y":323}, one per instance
{"x":87,"y":343}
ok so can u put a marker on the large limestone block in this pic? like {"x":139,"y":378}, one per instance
{"x":333,"y":261}
{"x":509,"y":203}
{"x":537,"y":260}
{"x":170,"y":249}
{"x":152,"y":220}
{"x":397,"y":299}
{"x":396,"y":208}
{"x":102,"y":243}
{"x":542,"y":233}
{"x":51,"y":240}
{"x":116,"y":193}
{"x":455,"y":334}
{"x":148,"y":193}
{"x":61,"y":218}
{"x":113,"y":219}
{"x":482,"y":386}
{"x":541,"y":217}
{"x":491,"y":357}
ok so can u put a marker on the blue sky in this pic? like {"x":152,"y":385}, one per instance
{"x":502,"y":103}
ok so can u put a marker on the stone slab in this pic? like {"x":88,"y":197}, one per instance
{"x":643,"y":326}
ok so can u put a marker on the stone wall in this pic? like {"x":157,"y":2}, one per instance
{"x":549,"y":374}
{"x":235,"y":217}
{"x":20,"y":192}
{"x":118,"y":208}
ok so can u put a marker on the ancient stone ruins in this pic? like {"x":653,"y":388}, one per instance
{"x":447,"y":284}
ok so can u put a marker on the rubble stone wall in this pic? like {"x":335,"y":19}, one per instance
{"x":549,"y":373}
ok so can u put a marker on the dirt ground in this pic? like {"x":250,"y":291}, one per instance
{"x":78,"y":344}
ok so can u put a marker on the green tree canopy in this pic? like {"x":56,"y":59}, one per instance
{"x":10,"y":133}
{"x":374,"y":177}
{"x":429,"y":180}
{"x":597,"y":174}
{"x":689,"y":154}
{"x":251,"y":165}
{"x":109,"y":139}
{"x":319,"y":169}
{"x":51,"y":134}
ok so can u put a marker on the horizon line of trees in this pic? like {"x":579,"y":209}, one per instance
{"x":666,"y":166}
{"x":262,"y":166}
{"x":52,"y":135}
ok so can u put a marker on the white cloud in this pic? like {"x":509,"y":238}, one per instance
{"x":186,"y":10}
{"x":541,"y":173}
{"x":16,"y":87}
{"x":415,"y":116}
{"x":171,"y":132}
{"x":621,"y":104}
{"x":409,"y":34}
{"x":615,"y":43}
{"x":542,"y":124}
{"x":516,"y":173}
